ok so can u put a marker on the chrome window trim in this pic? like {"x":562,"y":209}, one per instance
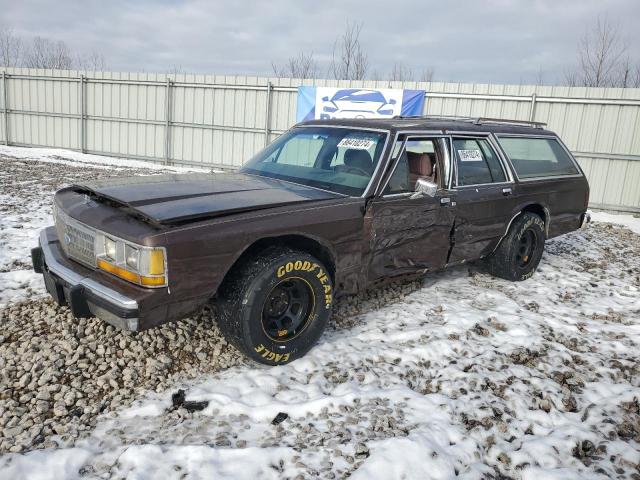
{"x":396,"y":196}
{"x":476,"y":185}
{"x":383,"y":152}
{"x":378,"y":191}
{"x":467,"y":133}
{"x":410,"y":134}
{"x":546,"y":137}
{"x":554,"y":177}
{"x":506,"y":163}
{"x":505,"y":166}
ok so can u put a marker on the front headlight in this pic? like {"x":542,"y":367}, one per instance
{"x":131,"y":256}
{"x":110,"y":248}
{"x":138,"y":264}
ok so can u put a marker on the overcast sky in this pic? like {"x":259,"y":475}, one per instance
{"x":498,"y":41}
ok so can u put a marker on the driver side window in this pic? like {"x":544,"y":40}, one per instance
{"x":419,"y":159}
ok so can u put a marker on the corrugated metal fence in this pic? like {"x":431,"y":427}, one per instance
{"x":223,"y":120}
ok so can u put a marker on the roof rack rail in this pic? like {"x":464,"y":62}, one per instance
{"x":474,"y":120}
{"x":481,"y":120}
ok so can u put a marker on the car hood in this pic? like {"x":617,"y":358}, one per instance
{"x":176,"y":198}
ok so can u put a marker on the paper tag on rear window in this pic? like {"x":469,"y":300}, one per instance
{"x":356,"y":143}
{"x":470,"y":155}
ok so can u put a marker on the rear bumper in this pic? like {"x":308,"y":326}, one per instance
{"x":85,"y":296}
{"x":585,"y":219}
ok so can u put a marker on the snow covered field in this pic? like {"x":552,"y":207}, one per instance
{"x":461,"y":375}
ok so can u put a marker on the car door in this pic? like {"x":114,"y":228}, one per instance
{"x":408,"y":232}
{"x":484,"y":195}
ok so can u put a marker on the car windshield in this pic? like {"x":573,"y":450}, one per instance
{"x":341,"y":160}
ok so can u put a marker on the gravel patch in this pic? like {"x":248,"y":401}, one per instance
{"x":59,"y":373}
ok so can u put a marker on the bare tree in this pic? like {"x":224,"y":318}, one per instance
{"x":175,"y":70}
{"x":599,"y":54}
{"x":10,"y":48}
{"x":45,"y":53}
{"x":628,"y":75}
{"x":92,"y":61}
{"x":570,"y":77}
{"x":428,"y":74}
{"x":539,"y":77}
{"x":349,"y":61}
{"x":301,"y":66}
{"x":401,"y":73}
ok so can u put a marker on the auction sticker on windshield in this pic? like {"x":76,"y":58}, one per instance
{"x":356,"y":143}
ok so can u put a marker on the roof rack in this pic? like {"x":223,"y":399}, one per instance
{"x":475,"y":120}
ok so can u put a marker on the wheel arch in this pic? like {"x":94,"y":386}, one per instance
{"x":304,"y":242}
{"x":533,"y":207}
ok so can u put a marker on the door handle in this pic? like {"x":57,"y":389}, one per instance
{"x":507,"y":191}
{"x":445,"y":201}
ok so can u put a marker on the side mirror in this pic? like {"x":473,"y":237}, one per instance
{"x":392,"y":101}
{"x":325,"y":99}
{"x":425,"y":187}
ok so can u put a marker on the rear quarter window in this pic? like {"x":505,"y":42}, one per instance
{"x":537,"y":157}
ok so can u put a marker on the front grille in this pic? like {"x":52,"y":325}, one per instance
{"x":77,"y":240}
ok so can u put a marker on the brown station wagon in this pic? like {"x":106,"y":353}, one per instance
{"x":329,"y":208}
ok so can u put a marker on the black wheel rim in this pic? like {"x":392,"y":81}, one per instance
{"x":526,"y":248}
{"x":287,"y":309}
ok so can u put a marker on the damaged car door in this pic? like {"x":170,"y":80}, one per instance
{"x":485,"y":197}
{"x":407,"y":230}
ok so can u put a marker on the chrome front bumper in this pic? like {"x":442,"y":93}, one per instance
{"x":85,"y":296}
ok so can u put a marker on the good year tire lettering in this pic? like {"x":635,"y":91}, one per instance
{"x":269,"y":355}
{"x":299,"y":265}
{"x":307,"y":266}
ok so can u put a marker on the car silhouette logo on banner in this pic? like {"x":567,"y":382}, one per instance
{"x":359,"y":103}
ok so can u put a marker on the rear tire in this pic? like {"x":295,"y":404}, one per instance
{"x":518,"y":255}
{"x":275,"y":306}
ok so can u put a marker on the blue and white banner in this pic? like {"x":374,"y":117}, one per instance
{"x":331,"y":102}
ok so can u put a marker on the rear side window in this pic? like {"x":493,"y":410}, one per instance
{"x":537,"y":157}
{"x":477,"y":162}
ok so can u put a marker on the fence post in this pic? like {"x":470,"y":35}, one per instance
{"x":532,"y":109}
{"x":267,"y":119}
{"x":167,"y":125}
{"x":5,"y":110}
{"x":83,"y":147}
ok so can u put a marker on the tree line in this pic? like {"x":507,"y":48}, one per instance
{"x":603,"y":59}
{"x":42,"y":52}
{"x":349,"y":61}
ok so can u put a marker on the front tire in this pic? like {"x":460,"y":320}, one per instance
{"x":518,"y":255}
{"x":275,"y":306}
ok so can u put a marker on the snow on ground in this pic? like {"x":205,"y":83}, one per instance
{"x":96,"y":162}
{"x":462,"y":376}
{"x":630,"y":221}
